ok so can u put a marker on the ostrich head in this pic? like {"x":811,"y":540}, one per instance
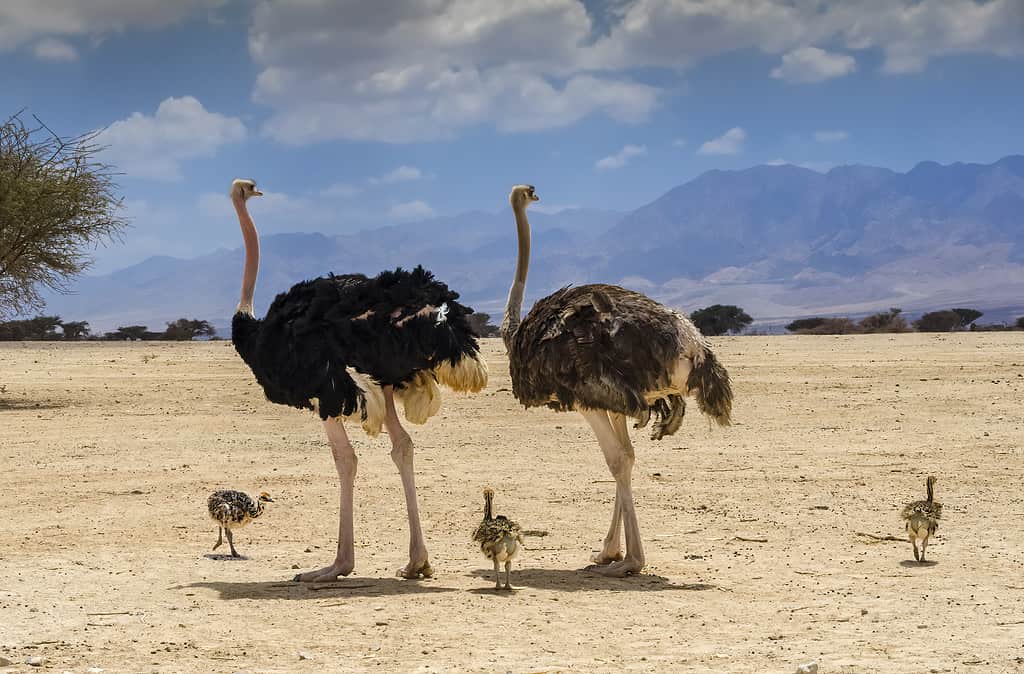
{"x":488,"y":499}
{"x":522,"y":195}
{"x":245,"y":189}
{"x":264,"y":496}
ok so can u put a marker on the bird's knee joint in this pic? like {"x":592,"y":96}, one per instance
{"x":344,"y":458}
{"x":401,"y":449}
{"x":620,"y":465}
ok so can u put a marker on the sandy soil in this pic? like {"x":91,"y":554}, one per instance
{"x":109,"y":451}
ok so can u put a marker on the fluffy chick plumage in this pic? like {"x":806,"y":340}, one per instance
{"x":500,"y":539}
{"x":922,"y":518}
{"x":232,"y":509}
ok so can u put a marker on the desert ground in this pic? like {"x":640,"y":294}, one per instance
{"x":767,"y":542}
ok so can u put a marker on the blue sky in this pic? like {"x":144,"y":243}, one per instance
{"x":359,"y":114}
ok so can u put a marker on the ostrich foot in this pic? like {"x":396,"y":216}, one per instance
{"x":619,"y":569}
{"x":326,"y":574}
{"x":415,"y":570}
{"x":603,"y":558}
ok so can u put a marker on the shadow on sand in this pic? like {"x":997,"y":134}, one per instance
{"x":225,"y":557}
{"x":9,"y":404}
{"x":349,"y":587}
{"x":911,"y":564}
{"x":578,"y":580}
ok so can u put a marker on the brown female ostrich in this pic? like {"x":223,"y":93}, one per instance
{"x":609,"y":353}
{"x":348,"y":346}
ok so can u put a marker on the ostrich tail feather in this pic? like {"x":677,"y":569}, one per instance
{"x":421,"y":398}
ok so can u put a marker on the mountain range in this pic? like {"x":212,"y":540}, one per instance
{"x":780,"y":241}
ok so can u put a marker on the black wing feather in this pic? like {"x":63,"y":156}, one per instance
{"x":318,"y":328}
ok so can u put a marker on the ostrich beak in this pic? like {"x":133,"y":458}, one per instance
{"x":257,"y":193}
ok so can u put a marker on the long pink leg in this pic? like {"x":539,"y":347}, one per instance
{"x":611,"y":551}
{"x":620,"y":458}
{"x":345,"y":461}
{"x":401,"y":454}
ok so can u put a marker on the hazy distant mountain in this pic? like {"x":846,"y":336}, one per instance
{"x":781,"y":241}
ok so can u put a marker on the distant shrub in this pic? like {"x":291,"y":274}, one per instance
{"x":833,"y":326}
{"x":481,"y":324}
{"x":38,"y":328}
{"x":887,"y":321}
{"x":720,"y":319}
{"x":968,"y":316}
{"x":1020,"y":323}
{"x":947,"y":320}
{"x":75,"y":329}
{"x":128,"y":332}
{"x":801,"y":324}
{"x":184,"y":330}
{"x":939,"y":321}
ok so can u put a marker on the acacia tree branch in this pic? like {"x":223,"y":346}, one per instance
{"x":56,"y":200}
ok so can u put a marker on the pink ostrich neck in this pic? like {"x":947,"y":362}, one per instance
{"x":252,"y":256}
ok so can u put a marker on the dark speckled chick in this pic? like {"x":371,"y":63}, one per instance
{"x":232,"y":509}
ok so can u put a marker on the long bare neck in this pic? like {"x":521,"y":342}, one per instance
{"x":930,"y":485}
{"x":252,"y":258}
{"x":488,"y":498}
{"x":514,"y":307}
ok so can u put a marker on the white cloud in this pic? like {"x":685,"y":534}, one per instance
{"x":154,"y":146}
{"x":399,"y":175}
{"x":676,"y":33}
{"x":415,"y":70}
{"x":425,"y":70}
{"x":810,"y":65}
{"x":52,"y":49}
{"x":621,"y":158}
{"x":830,"y":136}
{"x":730,"y":142}
{"x":22,"y":21}
{"x":912,"y":33}
{"x":409,"y":211}
{"x":420,"y":70}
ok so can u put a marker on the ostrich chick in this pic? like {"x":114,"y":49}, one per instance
{"x":922,"y":518}
{"x":232,"y":510}
{"x":499,"y":540}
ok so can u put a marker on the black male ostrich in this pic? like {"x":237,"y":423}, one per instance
{"x":347,"y":346}
{"x":609,"y":353}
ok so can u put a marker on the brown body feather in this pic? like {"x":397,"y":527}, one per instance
{"x":605,"y":347}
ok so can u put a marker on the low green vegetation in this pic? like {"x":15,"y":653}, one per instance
{"x":53,"y":328}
